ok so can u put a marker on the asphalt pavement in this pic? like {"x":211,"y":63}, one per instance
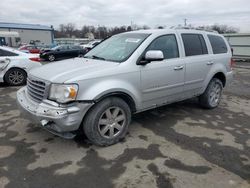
{"x":179,"y":145}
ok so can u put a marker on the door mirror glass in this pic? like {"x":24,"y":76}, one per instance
{"x":154,"y":55}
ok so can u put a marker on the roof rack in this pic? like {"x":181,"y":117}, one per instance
{"x":195,"y":28}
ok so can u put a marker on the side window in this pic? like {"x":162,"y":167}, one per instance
{"x":1,"y":53}
{"x":6,"y":53}
{"x":218,"y":44}
{"x":167,"y":44}
{"x":194,"y":44}
{"x":75,"y":47}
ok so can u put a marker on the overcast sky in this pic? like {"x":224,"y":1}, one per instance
{"x":121,"y":12}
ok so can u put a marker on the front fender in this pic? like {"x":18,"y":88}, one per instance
{"x":105,"y":87}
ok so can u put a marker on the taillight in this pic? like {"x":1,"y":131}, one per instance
{"x":36,"y":59}
{"x":232,"y":63}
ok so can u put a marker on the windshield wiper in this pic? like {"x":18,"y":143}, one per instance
{"x":95,"y":57}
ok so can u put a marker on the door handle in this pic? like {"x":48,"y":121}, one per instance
{"x":210,"y":63}
{"x":178,"y":67}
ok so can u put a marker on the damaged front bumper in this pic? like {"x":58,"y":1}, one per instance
{"x":58,"y":119}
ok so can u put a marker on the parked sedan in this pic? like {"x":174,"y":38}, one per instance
{"x":62,"y":52}
{"x":14,"y":65}
{"x":30,"y":49}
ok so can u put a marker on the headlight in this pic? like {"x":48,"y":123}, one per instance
{"x":63,"y":93}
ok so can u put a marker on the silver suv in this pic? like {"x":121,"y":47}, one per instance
{"x":126,"y":74}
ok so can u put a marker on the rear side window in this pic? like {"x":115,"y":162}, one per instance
{"x":6,"y":53}
{"x":167,"y":44}
{"x":194,"y":44}
{"x":218,"y":44}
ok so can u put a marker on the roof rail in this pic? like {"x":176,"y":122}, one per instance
{"x":195,"y":28}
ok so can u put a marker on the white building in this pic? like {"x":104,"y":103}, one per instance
{"x":27,"y":33}
{"x":240,"y":42}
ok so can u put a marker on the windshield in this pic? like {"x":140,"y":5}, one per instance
{"x":117,"y":48}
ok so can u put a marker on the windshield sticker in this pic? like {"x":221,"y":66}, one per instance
{"x":133,"y":40}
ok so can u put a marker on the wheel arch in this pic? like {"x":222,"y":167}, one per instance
{"x":119,"y":94}
{"x":221,"y":76}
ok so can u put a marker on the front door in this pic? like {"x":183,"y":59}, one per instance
{"x":162,"y":82}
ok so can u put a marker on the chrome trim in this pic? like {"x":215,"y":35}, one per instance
{"x":37,"y":88}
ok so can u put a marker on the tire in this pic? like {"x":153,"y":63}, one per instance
{"x":101,"y":121}
{"x":15,"y":77}
{"x":51,"y":57}
{"x":211,"y":97}
{"x":80,"y":55}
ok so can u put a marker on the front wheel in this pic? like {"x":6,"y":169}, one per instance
{"x":80,"y":55}
{"x":212,"y":95}
{"x":107,"y":122}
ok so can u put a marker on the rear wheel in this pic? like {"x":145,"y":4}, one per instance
{"x":15,"y":77}
{"x":212,"y":95}
{"x":107,"y":122}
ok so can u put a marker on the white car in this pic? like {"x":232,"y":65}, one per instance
{"x":14,"y":65}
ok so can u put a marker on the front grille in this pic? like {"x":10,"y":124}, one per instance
{"x":36,"y":89}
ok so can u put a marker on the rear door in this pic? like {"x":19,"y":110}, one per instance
{"x":198,"y":62}
{"x":221,"y":51}
{"x":2,"y":60}
{"x":75,"y":51}
{"x":5,"y":58}
{"x":162,"y":81}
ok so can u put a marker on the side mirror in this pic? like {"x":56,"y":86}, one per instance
{"x":152,"y":55}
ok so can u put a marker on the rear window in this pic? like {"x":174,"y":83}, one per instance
{"x":218,"y":44}
{"x":7,"y":53}
{"x":194,"y":44}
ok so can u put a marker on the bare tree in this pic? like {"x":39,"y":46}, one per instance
{"x":224,"y":28}
{"x":69,"y":30}
{"x":220,"y":28}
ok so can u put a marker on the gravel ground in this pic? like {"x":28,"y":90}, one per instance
{"x":180,"y":145}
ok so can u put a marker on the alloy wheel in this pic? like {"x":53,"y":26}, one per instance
{"x":112,"y":122}
{"x":16,"y":77}
{"x":215,"y":94}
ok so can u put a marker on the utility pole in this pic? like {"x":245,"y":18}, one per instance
{"x":99,"y":31}
{"x":185,"y":22}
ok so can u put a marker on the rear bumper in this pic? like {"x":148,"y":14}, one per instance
{"x":55,"y":118}
{"x":229,"y":78}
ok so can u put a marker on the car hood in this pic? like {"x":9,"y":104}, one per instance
{"x":62,"y":71}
